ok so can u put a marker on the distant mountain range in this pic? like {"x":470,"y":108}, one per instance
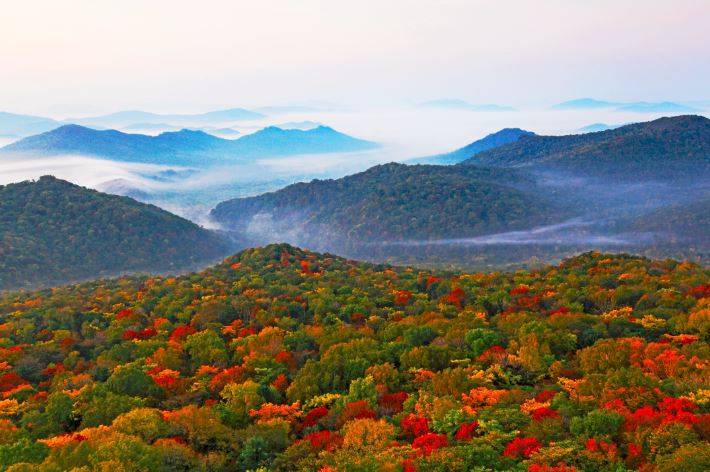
{"x":122,"y":119}
{"x":504,"y":136}
{"x":12,"y":124}
{"x":665,"y":148}
{"x":143,"y":128}
{"x":585,"y":104}
{"x":16,"y":125}
{"x":660,"y":107}
{"x":185,"y":147}
{"x":637,"y":107}
{"x":457,"y":104}
{"x":52,"y":231}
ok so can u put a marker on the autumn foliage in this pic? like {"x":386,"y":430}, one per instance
{"x":281,"y":359}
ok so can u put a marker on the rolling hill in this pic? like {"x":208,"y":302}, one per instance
{"x":663,"y":149}
{"x":392,"y":202}
{"x":53,"y":232}
{"x":185,"y":147}
{"x":504,"y":136}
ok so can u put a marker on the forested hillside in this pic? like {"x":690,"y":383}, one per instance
{"x":391,"y":202}
{"x":53,"y":232}
{"x":283,"y":359}
{"x":663,"y":149}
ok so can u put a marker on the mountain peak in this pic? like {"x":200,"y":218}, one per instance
{"x":493,"y":140}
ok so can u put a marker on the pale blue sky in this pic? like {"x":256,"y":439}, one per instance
{"x":75,"y":56}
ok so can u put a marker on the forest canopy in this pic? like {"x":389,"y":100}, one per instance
{"x":52,"y":231}
{"x":285,"y":359}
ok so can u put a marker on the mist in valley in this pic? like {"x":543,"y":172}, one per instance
{"x":597,"y":218}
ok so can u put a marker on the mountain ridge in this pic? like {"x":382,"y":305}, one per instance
{"x":124,"y":118}
{"x":185,"y":147}
{"x":637,"y":107}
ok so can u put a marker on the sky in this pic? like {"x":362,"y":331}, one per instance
{"x":80,"y":57}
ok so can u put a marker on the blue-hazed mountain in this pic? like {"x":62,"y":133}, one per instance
{"x":122,"y":119}
{"x":458,"y":104}
{"x":143,"y":128}
{"x":12,"y":124}
{"x":585,"y":104}
{"x":660,"y":107}
{"x":595,"y":127}
{"x":504,"y":136}
{"x":302,"y":125}
{"x":637,"y":107}
{"x":185,"y":147}
{"x":225,"y":133}
{"x":662,"y":149}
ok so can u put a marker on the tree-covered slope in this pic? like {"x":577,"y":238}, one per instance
{"x":286,"y":360}
{"x":391,"y":202}
{"x":52,"y":231}
{"x":663,"y":149}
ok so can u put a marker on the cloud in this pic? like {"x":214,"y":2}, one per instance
{"x":85,"y":171}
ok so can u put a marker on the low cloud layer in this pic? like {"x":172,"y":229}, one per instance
{"x":571,"y":232}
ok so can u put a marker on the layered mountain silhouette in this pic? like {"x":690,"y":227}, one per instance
{"x":609,"y":189}
{"x":185,"y":147}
